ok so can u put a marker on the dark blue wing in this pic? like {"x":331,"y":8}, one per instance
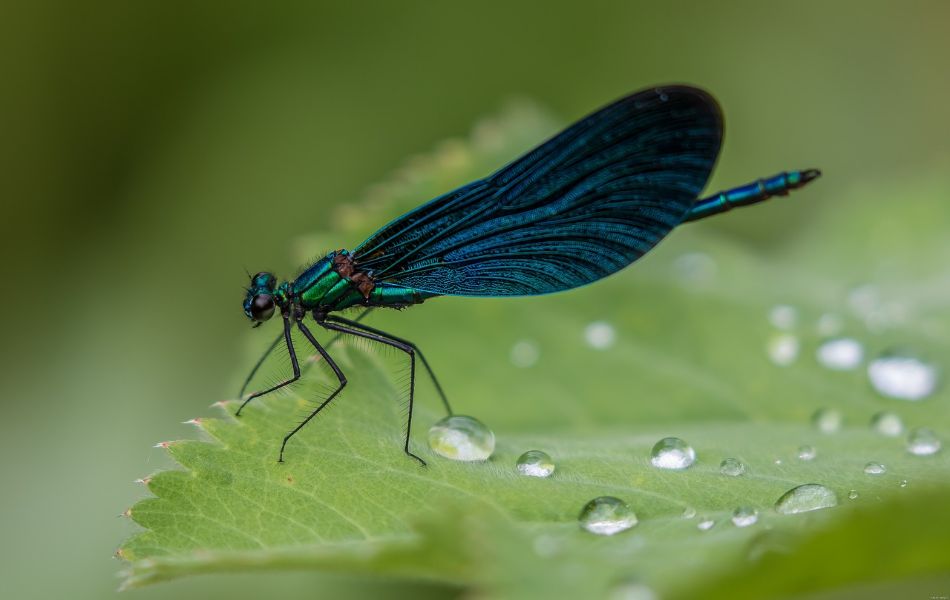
{"x":581,"y":206}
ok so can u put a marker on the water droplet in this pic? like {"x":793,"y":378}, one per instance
{"x":733,"y":467}
{"x":524,"y":354}
{"x":462,"y":438}
{"x":744,"y":516}
{"x":783,"y":316}
{"x":806,"y":452}
{"x":827,"y":420}
{"x":829,"y":325}
{"x":840,"y":354}
{"x":903,"y":483}
{"x":632,"y":590}
{"x":607,"y":515}
{"x":804,"y":498}
{"x":600,"y":335}
{"x":672,"y":453}
{"x":689,"y":512}
{"x":695,"y":268}
{"x":783,"y":349}
{"x":873,"y":468}
{"x":777,"y":461}
{"x":705,"y":524}
{"x":535,"y":463}
{"x":887,"y":423}
{"x":853,"y":495}
{"x":923,"y":442}
{"x":902,"y":375}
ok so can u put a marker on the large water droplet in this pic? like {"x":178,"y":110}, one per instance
{"x":744,"y":516}
{"x":535,"y":463}
{"x":873,"y":468}
{"x":902,"y":375}
{"x":672,"y":453}
{"x":811,"y":496}
{"x":607,"y":515}
{"x":524,"y":354}
{"x":462,"y":438}
{"x":733,"y":467}
{"x":923,"y":442}
{"x":705,"y":524}
{"x":827,"y":420}
{"x":600,"y":335}
{"x":783,"y":349}
{"x":840,"y":354}
{"x":807,"y":453}
{"x":783,"y":316}
{"x":887,"y":423}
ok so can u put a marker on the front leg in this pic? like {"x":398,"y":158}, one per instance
{"x":293,"y":362}
{"x":339,"y":375}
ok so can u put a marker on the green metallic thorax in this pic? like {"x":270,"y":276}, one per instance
{"x":322,"y":287}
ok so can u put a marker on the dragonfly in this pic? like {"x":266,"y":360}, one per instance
{"x":581,"y":206}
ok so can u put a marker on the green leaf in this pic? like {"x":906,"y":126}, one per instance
{"x":689,"y":360}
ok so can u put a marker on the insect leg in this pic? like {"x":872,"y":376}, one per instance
{"x":339,"y":375}
{"x":408,"y":349}
{"x":422,"y":357}
{"x":309,"y":364}
{"x":260,"y":362}
{"x":293,"y":362}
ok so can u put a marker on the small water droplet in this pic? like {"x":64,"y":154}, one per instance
{"x":807,"y":453}
{"x":672,"y":453}
{"x":600,"y":335}
{"x":462,"y":438}
{"x":524,"y":354}
{"x":923,"y":442}
{"x":777,"y":461}
{"x":705,"y":524}
{"x":632,"y":590}
{"x":695,"y":268}
{"x":903,"y":376}
{"x":829,"y":324}
{"x":853,"y":495}
{"x":733,"y":467}
{"x":783,"y":349}
{"x":827,"y":420}
{"x":840,"y":354}
{"x":607,"y":515}
{"x":783,"y":316}
{"x":903,"y":483}
{"x":804,"y":498}
{"x":744,"y":516}
{"x":873,"y":468}
{"x":887,"y":423}
{"x":535,"y":463}
{"x":689,"y":512}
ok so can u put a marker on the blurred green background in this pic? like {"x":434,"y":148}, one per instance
{"x":152,"y":151}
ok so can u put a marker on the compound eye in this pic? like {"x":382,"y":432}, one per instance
{"x":262,"y":307}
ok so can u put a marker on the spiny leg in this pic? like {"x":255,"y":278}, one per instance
{"x":339,"y":375}
{"x":408,"y":349}
{"x":293,"y":362}
{"x":260,"y":362}
{"x":306,"y":366}
{"x":422,"y":357}
{"x":309,"y":364}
